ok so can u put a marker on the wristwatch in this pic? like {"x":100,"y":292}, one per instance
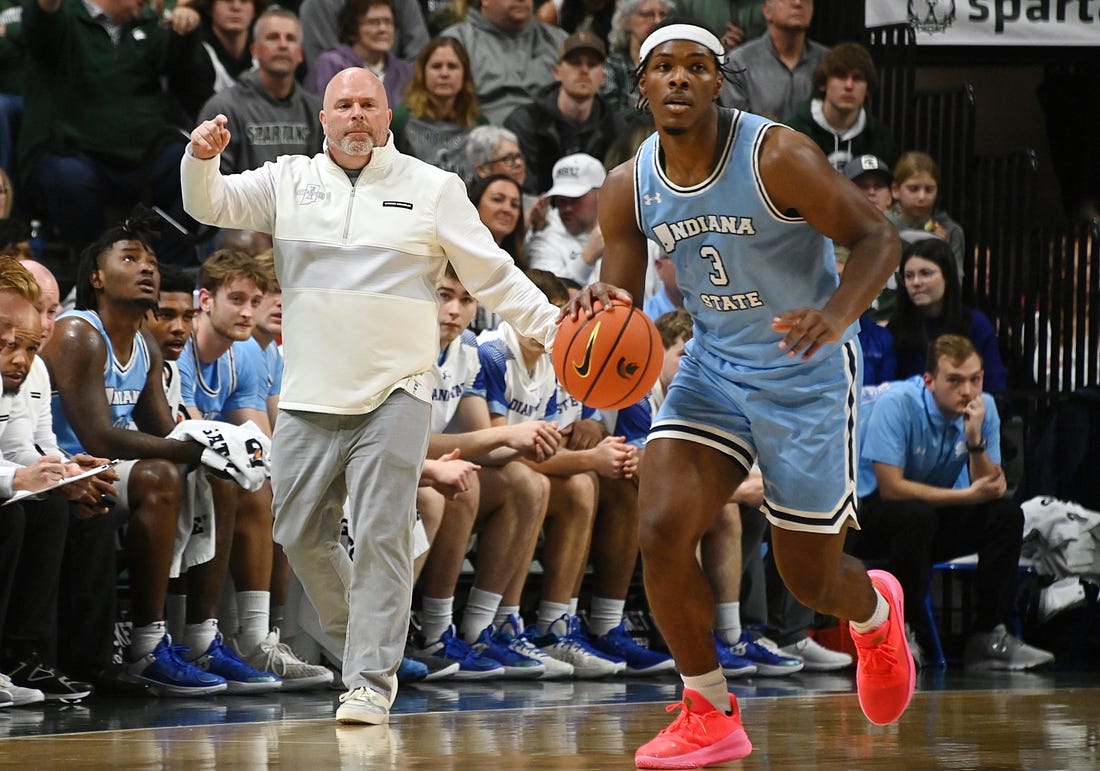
{"x":974,"y":448}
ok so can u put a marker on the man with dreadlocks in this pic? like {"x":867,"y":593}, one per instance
{"x":746,"y":209}
{"x":100,"y":348}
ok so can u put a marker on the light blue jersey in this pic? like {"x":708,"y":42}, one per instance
{"x":124,"y":383}
{"x":235,"y":380}
{"x":273,"y":368}
{"x":739,"y":260}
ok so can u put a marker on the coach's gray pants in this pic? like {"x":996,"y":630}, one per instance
{"x":374,"y":460}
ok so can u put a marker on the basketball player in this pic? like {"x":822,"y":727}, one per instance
{"x":507,"y":502}
{"x":361,"y":232}
{"x":99,"y":349}
{"x":745,"y":208}
{"x":223,"y":377}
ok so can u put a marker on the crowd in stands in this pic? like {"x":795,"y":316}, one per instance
{"x":529,"y":106}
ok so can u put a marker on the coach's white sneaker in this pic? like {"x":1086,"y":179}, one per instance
{"x":363,"y":705}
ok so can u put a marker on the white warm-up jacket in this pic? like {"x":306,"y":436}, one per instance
{"x":358,"y":265}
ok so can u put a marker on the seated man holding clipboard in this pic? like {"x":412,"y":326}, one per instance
{"x":32,"y":538}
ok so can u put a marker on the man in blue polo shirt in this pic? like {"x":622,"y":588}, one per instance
{"x":932,"y":488}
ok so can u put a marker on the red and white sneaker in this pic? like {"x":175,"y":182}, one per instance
{"x":700,"y":736}
{"x":885,"y":674}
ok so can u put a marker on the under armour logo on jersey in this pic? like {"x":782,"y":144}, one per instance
{"x":651,"y":199}
{"x":310,"y":194}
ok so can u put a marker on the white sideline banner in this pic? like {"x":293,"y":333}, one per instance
{"x":993,"y":22}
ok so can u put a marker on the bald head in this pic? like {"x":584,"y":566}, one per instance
{"x":49,"y":298}
{"x":356,"y":117}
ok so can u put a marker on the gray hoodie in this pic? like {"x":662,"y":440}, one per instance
{"x":262,"y":127}
{"x":508,"y":68}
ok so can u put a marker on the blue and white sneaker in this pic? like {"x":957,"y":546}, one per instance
{"x":768,"y":660}
{"x":566,"y":641}
{"x":511,"y":634}
{"x":219,"y":659}
{"x":732,"y":664}
{"x":639,"y":659}
{"x":471,"y":665}
{"x":165,"y":673}
{"x":517,"y":664}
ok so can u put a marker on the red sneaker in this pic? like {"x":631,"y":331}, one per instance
{"x":886,"y":674}
{"x":700,"y":736}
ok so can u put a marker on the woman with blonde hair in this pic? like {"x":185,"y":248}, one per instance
{"x":440,"y":107}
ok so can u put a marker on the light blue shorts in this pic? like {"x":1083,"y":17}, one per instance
{"x":798,"y":423}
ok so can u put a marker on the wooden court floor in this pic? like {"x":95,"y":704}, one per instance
{"x":956,"y":721}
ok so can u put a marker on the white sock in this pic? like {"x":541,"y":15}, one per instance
{"x":727,"y":622}
{"x":176,"y":615}
{"x":481,"y":609}
{"x":877,"y":619}
{"x":143,"y":639}
{"x":198,"y":637}
{"x":253,"y":619}
{"x":604,"y":615}
{"x":548,"y":613}
{"x":712,"y":687}
{"x":573,"y":603}
{"x":436,"y":614}
{"x":503,"y":612}
{"x":278,"y":615}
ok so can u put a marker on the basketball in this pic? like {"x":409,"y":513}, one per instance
{"x":611,"y":360}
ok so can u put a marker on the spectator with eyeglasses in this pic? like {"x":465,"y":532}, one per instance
{"x":495,"y":150}
{"x":368,"y":31}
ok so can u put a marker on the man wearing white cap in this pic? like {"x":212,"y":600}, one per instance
{"x":570,"y":246}
{"x":747,"y":209}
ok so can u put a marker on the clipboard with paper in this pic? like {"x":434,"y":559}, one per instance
{"x":21,"y":494}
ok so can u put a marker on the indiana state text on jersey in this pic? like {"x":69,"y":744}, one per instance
{"x":669,"y":233}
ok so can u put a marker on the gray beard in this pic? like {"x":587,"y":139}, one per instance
{"x":353,"y":147}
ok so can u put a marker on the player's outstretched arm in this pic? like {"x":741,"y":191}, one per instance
{"x":622,"y":273}
{"x":799,"y":180}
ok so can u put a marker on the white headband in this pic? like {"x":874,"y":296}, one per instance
{"x":682,"y":32}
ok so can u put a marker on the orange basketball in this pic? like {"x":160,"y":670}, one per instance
{"x":611,"y":360}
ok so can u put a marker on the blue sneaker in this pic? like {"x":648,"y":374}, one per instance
{"x":471,"y":665}
{"x":768,"y":661}
{"x":165,"y":673}
{"x":516,"y":664}
{"x":732,"y":664}
{"x":639,"y":660}
{"x":512,"y":635}
{"x":219,"y":659}
{"x":411,"y":671}
{"x":566,"y":641}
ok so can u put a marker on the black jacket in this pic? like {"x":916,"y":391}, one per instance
{"x":545,"y":135}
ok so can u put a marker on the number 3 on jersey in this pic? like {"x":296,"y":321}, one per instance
{"x":718,"y":276}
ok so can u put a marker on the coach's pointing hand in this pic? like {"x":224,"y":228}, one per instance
{"x":210,"y":138}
